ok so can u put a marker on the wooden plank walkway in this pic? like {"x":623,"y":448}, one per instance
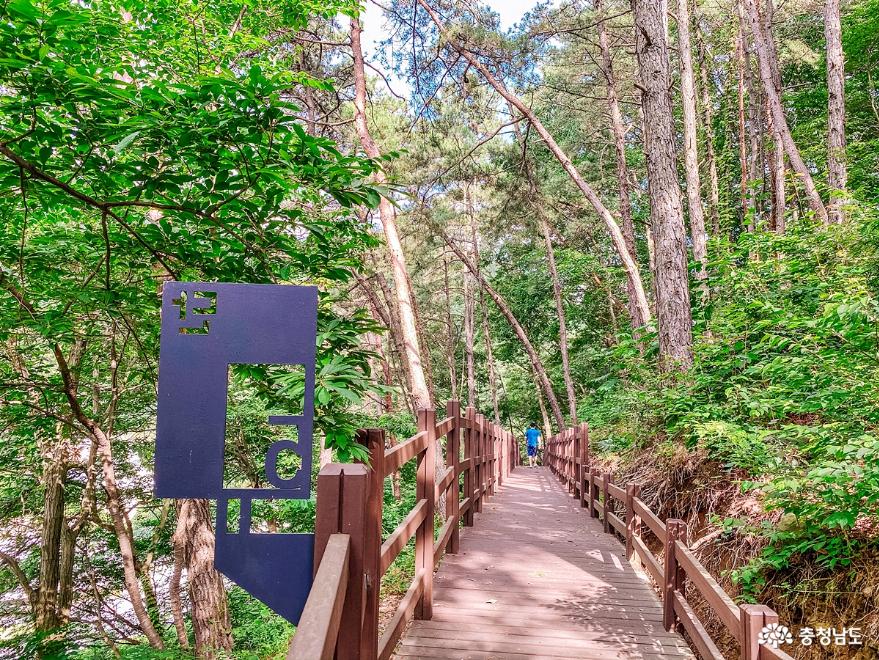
{"x":537,"y":578}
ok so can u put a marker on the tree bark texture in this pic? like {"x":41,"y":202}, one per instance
{"x":708,"y":130}
{"x":666,"y":215}
{"x":207,"y":596}
{"x":469,"y":341}
{"x":775,"y":154}
{"x":489,"y":360}
{"x":741,"y":58}
{"x":450,"y":334}
{"x":763,"y":48}
{"x":691,"y":155}
{"x":418,"y":387}
{"x":837,"y":171}
{"x":619,"y":141}
{"x":607,"y":218}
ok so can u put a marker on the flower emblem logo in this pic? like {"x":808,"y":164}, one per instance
{"x":775,"y":635}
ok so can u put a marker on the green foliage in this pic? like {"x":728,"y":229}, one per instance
{"x":258,"y":632}
{"x":142,"y":143}
{"x":783,"y":394}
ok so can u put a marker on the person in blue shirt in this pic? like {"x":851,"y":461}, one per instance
{"x":532,"y":442}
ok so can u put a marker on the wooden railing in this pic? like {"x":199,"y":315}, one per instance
{"x":625,"y":515}
{"x":341,"y":616}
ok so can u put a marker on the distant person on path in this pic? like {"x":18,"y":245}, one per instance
{"x":532,"y":442}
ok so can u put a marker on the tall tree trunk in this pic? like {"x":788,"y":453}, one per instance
{"x":741,"y":57}
{"x":468,"y":343}
{"x":450,"y":333}
{"x":560,"y":312}
{"x":837,"y":172}
{"x":755,"y":133}
{"x":607,"y":218}
{"x":489,"y":360}
{"x":691,"y":155}
{"x":619,"y":141}
{"x":418,"y":384}
{"x":391,"y":320}
{"x":121,"y":526}
{"x":178,"y":545}
{"x":207,"y":596}
{"x":705,"y":64}
{"x":506,"y":310}
{"x":666,"y":215}
{"x":776,"y":152}
{"x":762,"y":47}
{"x":46,"y":610}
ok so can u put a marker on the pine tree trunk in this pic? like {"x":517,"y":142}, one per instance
{"x":506,"y":310}
{"x":468,"y":343}
{"x":776,"y":151}
{"x":121,"y":526}
{"x":560,"y":312}
{"x":54,"y":471}
{"x":666,"y":215}
{"x":489,"y":359}
{"x":450,"y":334}
{"x":755,"y":133}
{"x":607,"y":218}
{"x":762,"y":48}
{"x":837,"y":172}
{"x":619,"y":140}
{"x":708,"y":129}
{"x":741,"y":57}
{"x":691,"y":155}
{"x":418,"y":384}
{"x":207,"y":596}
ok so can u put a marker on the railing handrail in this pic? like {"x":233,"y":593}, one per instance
{"x":319,"y":624}
{"x":567,"y":456}
{"x":489,"y":456}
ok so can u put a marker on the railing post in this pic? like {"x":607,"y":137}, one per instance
{"x":453,"y":459}
{"x":590,"y":485}
{"x":569,"y":460}
{"x":469,"y":473}
{"x":608,"y":509}
{"x":342,"y":496}
{"x":514,"y":448}
{"x":672,"y":576}
{"x":492,"y":460}
{"x":426,"y":489}
{"x":374,"y":440}
{"x":584,"y":462}
{"x":633,"y":522}
{"x":586,"y":436}
{"x":753,"y":618}
{"x":480,"y":462}
{"x":577,"y":466}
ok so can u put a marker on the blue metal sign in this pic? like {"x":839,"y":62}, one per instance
{"x":206,"y":327}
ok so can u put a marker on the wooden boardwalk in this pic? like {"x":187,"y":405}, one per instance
{"x":537,"y":578}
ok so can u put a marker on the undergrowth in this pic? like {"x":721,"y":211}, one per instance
{"x":782,"y":405}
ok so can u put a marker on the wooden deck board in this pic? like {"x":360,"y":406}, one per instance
{"x":536,"y":577}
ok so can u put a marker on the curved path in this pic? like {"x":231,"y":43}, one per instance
{"x":538,"y":578}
